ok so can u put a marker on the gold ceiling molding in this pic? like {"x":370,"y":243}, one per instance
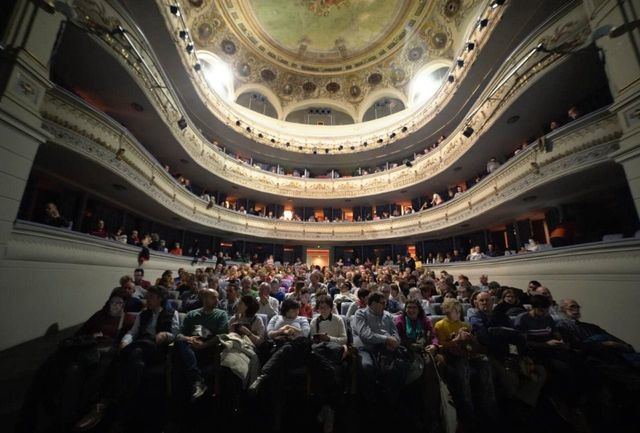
{"x":345,"y":138}
{"x":76,"y":126}
{"x":340,"y":50}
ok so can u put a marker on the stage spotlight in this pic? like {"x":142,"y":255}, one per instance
{"x":364,"y":144}
{"x":248,"y":129}
{"x":197,"y":67}
{"x":340,"y":147}
{"x":380,"y":140}
{"x":467,"y":132}
{"x":315,"y":152}
{"x":352,"y":148}
{"x":450,"y":78}
{"x":288,"y":144}
{"x":237,"y":123}
{"x":483,"y":23}
{"x":175,"y":10}
{"x":404,"y":129}
{"x":326,"y":151}
{"x":182,"y":123}
{"x":496,"y":3}
{"x":183,"y":34}
{"x":470,"y":46}
{"x":392,"y":135}
{"x":407,"y":163}
{"x":273,"y":140}
{"x":189,"y":48}
{"x":260,"y":135}
{"x":460,"y":63}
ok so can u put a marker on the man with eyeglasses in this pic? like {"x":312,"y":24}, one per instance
{"x":378,"y":342}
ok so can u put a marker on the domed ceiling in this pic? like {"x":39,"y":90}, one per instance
{"x":344,"y":53}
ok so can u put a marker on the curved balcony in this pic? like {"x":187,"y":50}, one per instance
{"x":583,"y":144}
{"x":568,"y":28}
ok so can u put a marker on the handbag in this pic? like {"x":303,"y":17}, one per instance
{"x":447,"y":409}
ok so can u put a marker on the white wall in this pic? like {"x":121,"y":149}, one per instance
{"x":603,"y":278}
{"x":52,"y":277}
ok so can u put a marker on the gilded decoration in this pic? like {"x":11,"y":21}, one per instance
{"x":340,"y":50}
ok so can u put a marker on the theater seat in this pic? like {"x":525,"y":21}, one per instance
{"x":435,"y":309}
{"x":344,"y":308}
{"x":436,"y":318}
{"x":612,"y":237}
{"x":265,"y":320}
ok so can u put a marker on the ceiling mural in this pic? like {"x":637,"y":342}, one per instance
{"x":341,"y":50}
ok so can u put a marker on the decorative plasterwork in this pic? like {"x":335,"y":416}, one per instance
{"x":283,"y":46}
{"x":98,"y":138}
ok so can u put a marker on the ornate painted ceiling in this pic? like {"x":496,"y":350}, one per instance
{"x":337,"y":51}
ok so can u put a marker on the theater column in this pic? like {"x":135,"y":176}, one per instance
{"x":618,"y":20}
{"x":27,"y":45}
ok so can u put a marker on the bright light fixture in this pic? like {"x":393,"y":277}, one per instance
{"x":288,"y":215}
{"x":219,"y":76}
{"x":423,"y":87}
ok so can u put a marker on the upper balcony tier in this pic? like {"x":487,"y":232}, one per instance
{"x":526,"y":68}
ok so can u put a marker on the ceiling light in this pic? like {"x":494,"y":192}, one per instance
{"x":468,"y":131}
{"x":352,"y":148}
{"x":248,"y":129}
{"x":392,"y":135}
{"x":496,"y":3}
{"x":189,"y":48}
{"x":451,"y":78}
{"x":260,"y":135}
{"x":470,"y":46}
{"x":273,"y":140}
{"x":197,"y":67}
{"x":340,"y":147}
{"x":175,"y":10}
{"x":326,"y":151}
{"x":460,"y":63}
{"x":404,"y":129}
{"x":423,"y":87}
{"x":380,"y":140}
{"x":183,"y":34}
{"x":237,"y":123}
{"x":483,"y":23}
{"x":182,"y":123}
{"x":408,"y":163}
{"x":218,"y":75}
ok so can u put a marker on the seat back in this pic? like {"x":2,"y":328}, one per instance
{"x":344,"y":307}
{"x":265,"y":320}
{"x":347,"y":326}
{"x":435,"y":309}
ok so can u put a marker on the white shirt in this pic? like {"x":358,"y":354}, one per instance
{"x":334,"y":328}
{"x":271,"y":308}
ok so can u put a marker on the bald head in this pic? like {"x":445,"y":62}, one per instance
{"x":483,"y":302}
{"x":570,"y":308}
{"x":209,"y":298}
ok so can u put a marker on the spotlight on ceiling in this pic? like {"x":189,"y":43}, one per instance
{"x":273,"y":140}
{"x":175,"y":10}
{"x":183,"y":34}
{"x":467,"y":132}
{"x":248,"y":129}
{"x":237,"y":123}
{"x":182,"y":123}
{"x":340,"y":147}
{"x":260,"y":135}
{"x":326,"y":151}
{"x":404,"y":129}
{"x":451,"y":78}
{"x":380,"y":140}
{"x":407,"y":163}
{"x":470,"y":46}
{"x":460,"y":63}
{"x":288,"y":144}
{"x":483,"y":23}
{"x":197,"y":67}
{"x":496,"y":3}
{"x":189,"y":48}
{"x":364,"y":144}
{"x":315,"y":152}
{"x":352,"y":148}
{"x":392,"y":135}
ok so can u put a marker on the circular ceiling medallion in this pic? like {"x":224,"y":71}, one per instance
{"x":375,"y":78}
{"x":333,"y":87}
{"x":309,"y":87}
{"x":287,"y":89}
{"x":415,"y":54}
{"x":244,"y":69}
{"x":196,"y":3}
{"x":398,"y":75}
{"x":439,"y":40}
{"x":354,"y":91}
{"x":451,"y":8}
{"x":268,"y":75}
{"x":228,"y":47}
{"x":205,"y":31}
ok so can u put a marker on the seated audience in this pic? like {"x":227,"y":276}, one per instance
{"x":52,"y":216}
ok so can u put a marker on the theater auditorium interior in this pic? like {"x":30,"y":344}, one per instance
{"x":320,"y":216}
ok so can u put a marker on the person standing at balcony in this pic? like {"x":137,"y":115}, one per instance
{"x":492,"y":165}
{"x":52,"y":216}
{"x":100,"y":230}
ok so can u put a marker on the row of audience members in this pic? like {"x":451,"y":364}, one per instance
{"x":485,"y":340}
